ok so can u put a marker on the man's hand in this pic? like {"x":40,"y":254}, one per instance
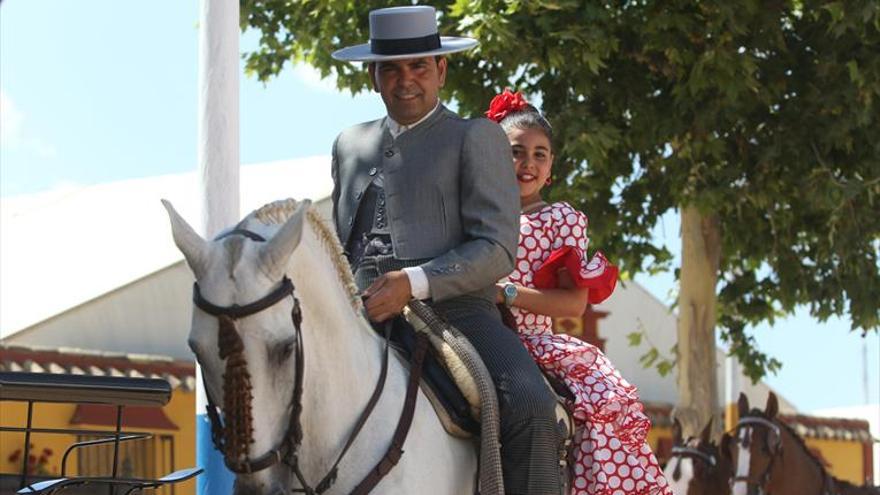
{"x":387,"y":296}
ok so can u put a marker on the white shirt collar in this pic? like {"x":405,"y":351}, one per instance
{"x":397,"y":129}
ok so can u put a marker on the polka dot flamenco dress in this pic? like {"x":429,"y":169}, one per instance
{"x":613,"y":457}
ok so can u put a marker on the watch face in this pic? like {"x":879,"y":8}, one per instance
{"x":510,"y":290}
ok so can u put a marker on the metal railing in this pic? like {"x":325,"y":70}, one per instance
{"x":118,"y":392}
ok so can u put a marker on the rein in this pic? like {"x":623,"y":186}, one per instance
{"x":228,"y":440}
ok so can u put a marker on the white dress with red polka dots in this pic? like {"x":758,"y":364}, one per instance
{"x":613,"y":457}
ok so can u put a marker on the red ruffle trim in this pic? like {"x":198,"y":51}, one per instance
{"x":600,"y":276}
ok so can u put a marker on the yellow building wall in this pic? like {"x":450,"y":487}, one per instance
{"x":180,"y":410}
{"x":846,"y":458}
{"x":655,"y":434}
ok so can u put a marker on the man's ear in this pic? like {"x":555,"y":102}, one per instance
{"x":371,"y":68}
{"x":442,"y":65}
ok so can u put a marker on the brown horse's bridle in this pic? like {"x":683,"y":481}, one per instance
{"x":761,"y":480}
{"x":695,"y":453}
{"x":286,"y":450}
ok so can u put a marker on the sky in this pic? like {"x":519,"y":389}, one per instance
{"x":102,"y":90}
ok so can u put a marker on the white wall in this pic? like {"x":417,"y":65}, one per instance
{"x":633,"y":309}
{"x":149,"y":316}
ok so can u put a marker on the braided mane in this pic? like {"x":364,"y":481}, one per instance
{"x":277,"y":212}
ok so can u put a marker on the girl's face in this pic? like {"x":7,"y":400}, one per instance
{"x":532,"y":159}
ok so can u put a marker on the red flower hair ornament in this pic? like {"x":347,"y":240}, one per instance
{"x":504,"y":104}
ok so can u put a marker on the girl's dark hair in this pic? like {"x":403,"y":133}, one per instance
{"x":527,"y":118}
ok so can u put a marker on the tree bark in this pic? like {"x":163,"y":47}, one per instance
{"x":697,"y":366}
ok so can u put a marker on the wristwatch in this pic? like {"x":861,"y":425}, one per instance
{"x":509,"y":291}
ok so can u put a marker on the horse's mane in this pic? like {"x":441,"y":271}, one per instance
{"x":277,"y":212}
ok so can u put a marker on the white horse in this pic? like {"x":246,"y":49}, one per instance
{"x":342,"y":358}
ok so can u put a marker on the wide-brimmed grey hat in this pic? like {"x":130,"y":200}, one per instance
{"x":403,"y":32}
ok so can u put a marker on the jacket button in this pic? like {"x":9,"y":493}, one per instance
{"x":373,"y":171}
{"x":350,"y":222}
{"x":389,"y":153}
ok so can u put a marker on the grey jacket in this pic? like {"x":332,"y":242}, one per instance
{"x":451,"y":195}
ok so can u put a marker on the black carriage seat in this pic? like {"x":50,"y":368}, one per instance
{"x":85,"y":389}
{"x":134,"y":484}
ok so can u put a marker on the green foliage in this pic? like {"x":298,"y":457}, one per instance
{"x":762,"y":112}
{"x":652,"y":358}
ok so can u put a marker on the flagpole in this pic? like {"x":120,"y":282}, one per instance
{"x":218,"y":162}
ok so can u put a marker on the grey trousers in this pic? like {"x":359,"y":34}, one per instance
{"x":529,"y":436}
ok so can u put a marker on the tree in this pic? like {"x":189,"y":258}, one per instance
{"x":756,"y":120}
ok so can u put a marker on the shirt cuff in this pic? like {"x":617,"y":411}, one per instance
{"x":418,"y":282}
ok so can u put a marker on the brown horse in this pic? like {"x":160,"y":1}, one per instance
{"x":698,"y":466}
{"x":770,"y":458}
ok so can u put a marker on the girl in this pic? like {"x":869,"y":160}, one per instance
{"x":555,"y":277}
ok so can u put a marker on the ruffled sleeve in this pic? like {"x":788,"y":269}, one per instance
{"x":570,"y":252}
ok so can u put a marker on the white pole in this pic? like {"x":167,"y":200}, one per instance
{"x":732,"y":389}
{"x":218,"y":157}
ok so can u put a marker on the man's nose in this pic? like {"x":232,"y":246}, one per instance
{"x":406,"y":77}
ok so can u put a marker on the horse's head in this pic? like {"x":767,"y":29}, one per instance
{"x":245,"y":336}
{"x":698,"y":466}
{"x":758,"y":443}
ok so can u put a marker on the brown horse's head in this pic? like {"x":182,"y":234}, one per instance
{"x":698,"y":466}
{"x":758,"y":444}
{"x":763,"y":441}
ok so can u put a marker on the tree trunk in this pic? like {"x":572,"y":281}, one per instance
{"x":697,"y":367}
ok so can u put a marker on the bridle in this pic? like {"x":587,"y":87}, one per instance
{"x":286,"y":451}
{"x":761,"y":480}
{"x":695,"y":453}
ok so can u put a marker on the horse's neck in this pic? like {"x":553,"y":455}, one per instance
{"x":795,"y":471}
{"x":342,"y":353}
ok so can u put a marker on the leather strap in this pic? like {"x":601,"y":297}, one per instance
{"x":395,"y":450}
{"x":235,"y":311}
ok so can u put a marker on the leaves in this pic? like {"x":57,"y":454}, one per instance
{"x":764,"y":113}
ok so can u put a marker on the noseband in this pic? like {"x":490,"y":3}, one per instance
{"x":234,"y":449}
{"x":775,"y":451}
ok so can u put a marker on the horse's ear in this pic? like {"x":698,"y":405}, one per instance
{"x":274,"y":255}
{"x":724,"y":448}
{"x":676,"y":432}
{"x":707,"y":432}
{"x":772,"y":407}
{"x":191,"y":244}
{"x":742,"y":405}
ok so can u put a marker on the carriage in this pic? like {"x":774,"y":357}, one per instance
{"x":118,"y":392}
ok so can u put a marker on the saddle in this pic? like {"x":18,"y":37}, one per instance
{"x":453,"y":394}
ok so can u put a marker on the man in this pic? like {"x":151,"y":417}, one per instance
{"x":426,"y":204}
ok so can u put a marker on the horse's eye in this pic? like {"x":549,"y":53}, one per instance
{"x":280,"y":351}
{"x":283,"y":350}
{"x":287,"y":350}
